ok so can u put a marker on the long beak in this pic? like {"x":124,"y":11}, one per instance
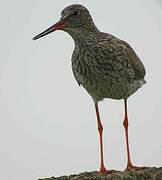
{"x":58,"y":26}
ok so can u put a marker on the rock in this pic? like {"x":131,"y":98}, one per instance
{"x":149,"y":173}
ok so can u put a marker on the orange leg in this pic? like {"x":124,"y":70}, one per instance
{"x":125,"y":123}
{"x":100,"y":130}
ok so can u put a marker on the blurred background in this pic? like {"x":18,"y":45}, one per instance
{"x":47,"y":123}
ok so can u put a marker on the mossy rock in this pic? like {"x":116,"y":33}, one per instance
{"x":149,"y":173}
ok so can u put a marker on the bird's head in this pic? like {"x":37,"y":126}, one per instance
{"x":74,"y":19}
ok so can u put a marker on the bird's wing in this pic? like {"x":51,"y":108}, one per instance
{"x":134,"y":60}
{"x":121,"y":57}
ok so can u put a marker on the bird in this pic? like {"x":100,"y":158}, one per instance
{"x":106,"y":66}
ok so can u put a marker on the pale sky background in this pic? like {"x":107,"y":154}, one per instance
{"x":47,"y":123}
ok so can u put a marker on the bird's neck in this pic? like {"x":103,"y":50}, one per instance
{"x":84,"y":35}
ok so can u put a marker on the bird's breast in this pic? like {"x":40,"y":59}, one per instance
{"x":100,"y":81}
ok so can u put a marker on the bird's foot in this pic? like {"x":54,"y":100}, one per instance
{"x":137,"y":168}
{"x":103,"y":170}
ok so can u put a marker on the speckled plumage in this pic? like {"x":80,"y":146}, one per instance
{"x":104,"y":65}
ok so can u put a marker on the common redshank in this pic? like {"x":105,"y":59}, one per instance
{"x":107,"y":67}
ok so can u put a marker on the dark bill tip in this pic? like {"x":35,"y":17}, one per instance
{"x":58,"y":26}
{"x":47,"y":31}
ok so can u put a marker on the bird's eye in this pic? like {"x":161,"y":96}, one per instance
{"x":75,"y":13}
